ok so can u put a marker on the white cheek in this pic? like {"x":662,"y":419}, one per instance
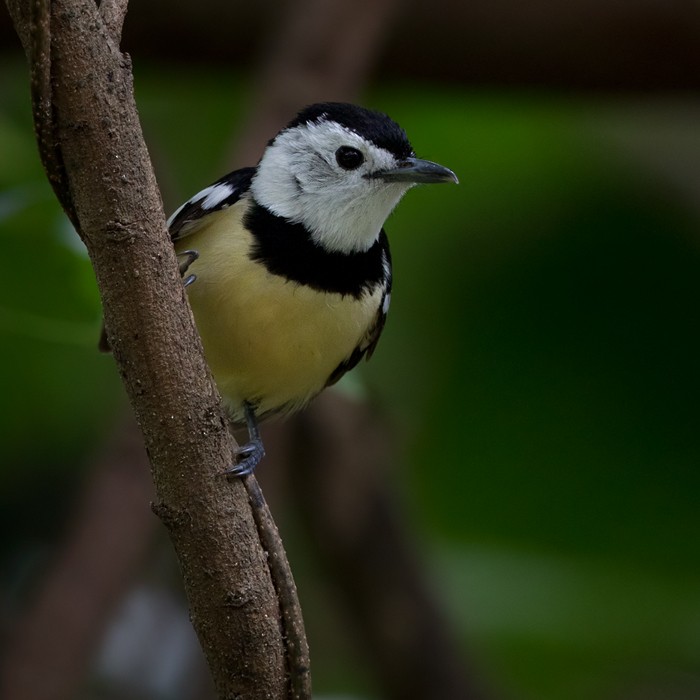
{"x":280,"y":194}
{"x":299,"y":179}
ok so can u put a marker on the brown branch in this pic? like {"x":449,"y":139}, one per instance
{"x":112,"y":188}
{"x":20,"y":12}
{"x":298,"y":662}
{"x":113,"y":13}
{"x":42,"y":105}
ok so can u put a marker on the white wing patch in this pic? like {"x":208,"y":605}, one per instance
{"x":215,"y":194}
{"x":222,"y":194}
{"x":385,"y":303}
{"x":209,"y":197}
{"x":386,"y":266}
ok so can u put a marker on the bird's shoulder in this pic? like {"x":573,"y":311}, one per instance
{"x":223,"y":193}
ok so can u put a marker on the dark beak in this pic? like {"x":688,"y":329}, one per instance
{"x":418,"y":171}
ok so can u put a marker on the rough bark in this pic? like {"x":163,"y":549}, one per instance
{"x":92,"y":146}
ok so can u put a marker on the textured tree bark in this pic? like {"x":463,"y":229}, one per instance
{"x":96,"y":159}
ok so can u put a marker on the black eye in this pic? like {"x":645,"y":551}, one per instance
{"x":349,"y":158}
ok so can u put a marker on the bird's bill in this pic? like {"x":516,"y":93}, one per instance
{"x":418,"y":171}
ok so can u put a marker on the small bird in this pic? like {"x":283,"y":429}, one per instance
{"x":287,"y":265}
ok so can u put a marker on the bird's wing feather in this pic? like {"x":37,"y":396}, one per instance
{"x":220,"y":195}
{"x":195,"y":211}
{"x":364,"y":349}
{"x":369,"y":343}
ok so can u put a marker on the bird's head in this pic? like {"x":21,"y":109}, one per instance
{"x":339,"y":170}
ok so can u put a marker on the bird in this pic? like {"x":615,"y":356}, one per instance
{"x":287,"y":265}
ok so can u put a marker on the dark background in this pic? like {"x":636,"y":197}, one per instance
{"x":538,"y":376}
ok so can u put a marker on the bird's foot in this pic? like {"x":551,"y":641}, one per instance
{"x":248,"y":456}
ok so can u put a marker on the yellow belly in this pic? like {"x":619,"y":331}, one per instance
{"x":266,"y":339}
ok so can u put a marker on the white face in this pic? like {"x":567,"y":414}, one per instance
{"x":300,"y":179}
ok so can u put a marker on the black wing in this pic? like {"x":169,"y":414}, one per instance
{"x":219,"y":195}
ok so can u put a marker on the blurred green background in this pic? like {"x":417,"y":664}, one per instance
{"x":540,"y":366}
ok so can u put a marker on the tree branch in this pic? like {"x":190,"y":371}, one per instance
{"x":42,"y":105}
{"x":113,"y":13}
{"x":298,"y":662}
{"x":92,"y":146}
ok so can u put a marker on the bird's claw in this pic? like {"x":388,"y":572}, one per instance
{"x":252,"y":452}
{"x":189,"y":257}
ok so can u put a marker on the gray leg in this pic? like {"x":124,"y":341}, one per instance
{"x":253,"y":451}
